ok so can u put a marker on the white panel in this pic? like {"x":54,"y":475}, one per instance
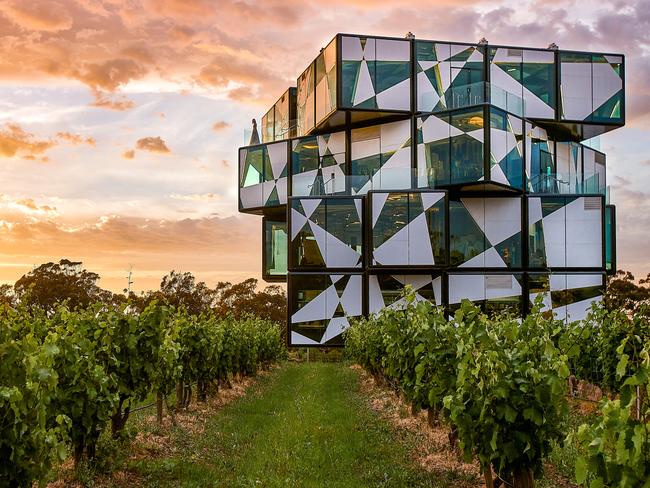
{"x":335,"y":143}
{"x":378,"y":201}
{"x":395,"y":174}
{"x":501,"y":143}
{"x":251,"y":196}
{"x":555,"y":238}
{"x":557,"y":282}
{"x":606,"y":83}
{"x":419,"y":250}
{"x":583,"y":280}
{"x":397,"y":97}
{"x":476,"y":208}
{"x":534,"y":210}
{"x":313,"y":310}
{"x":502,"y":218}
{"x":302,"y":183}
{"x":351,"y":48}
{"x":298,"y":221}
{"x":394,"y":250}
{"x":282,"y":190}
{"x":497,"y":175}
{"x":339,"y":255}
{"x":471,"y":287}
{"x":437,"y":290}
{"x":575,"y":86}
{"x":583,"y":234}
{"x":427,"y":96}
{"x":309,"y":205}
{"x":393,"y":50}
{"x":364,"y":88}
{"x":436,"y":129}
{"x":394,"y":135}
{"x":351,"y":298}
{"x":365,"y":148}
{"x":375,"y":298}
{"x":335,"y":327}
{"x":331,"y":301}
{"x":301,"y":340}
{"x":429,"y":199}
{"x":579,"y":310}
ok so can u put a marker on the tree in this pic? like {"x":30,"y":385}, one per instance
{"x":52,"y":283}
{"x":243,"y":298}
{"x":182,"y":290}
{"x":623,"y":293}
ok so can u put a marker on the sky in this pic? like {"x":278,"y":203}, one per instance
{"x":120,"y":119}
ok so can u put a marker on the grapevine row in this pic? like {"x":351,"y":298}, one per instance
{"x":500,"y":383}
{"x":65,"y":376}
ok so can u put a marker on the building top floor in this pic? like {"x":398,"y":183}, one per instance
{"x":357,"y":80}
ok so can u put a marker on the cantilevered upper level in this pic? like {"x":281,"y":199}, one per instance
{"x":377,"y":113}
{"x":357,"y":79}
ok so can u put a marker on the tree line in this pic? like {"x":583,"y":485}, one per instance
{"x":68,"y":281}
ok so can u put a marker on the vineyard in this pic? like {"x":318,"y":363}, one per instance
{"x":504,"y":390}
{"x":66,"y":376}
{"x":503,"y":386}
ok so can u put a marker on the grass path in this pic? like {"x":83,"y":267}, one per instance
{"x":303,"y":425}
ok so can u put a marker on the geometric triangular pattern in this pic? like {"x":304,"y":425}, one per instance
{"x":326,"y":233}
{"x":323,"y":308}
{"x":381,"y":157}
{"x":319,"y":165}
{"x":375,"y":73}
{"x":263,"y":173}
{"x":408,"y":228}
{"x":529,"y":75}
{"x":386,"y":290}
{"x":444,"y":72}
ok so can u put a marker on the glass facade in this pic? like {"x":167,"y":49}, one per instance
{"x":326,"y":233}
{"x":473,"y":179}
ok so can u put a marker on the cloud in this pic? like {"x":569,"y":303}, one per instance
{"x":38,"y":15}
{"x":117,"y":103}
{"x":152,"y":144}
{"x":15,"y":142}
{"x":130,"y":154}
{"x":220,"y":125}
{"x":30,"y":205}
{"x":196,"y":197}
{"x":75,"y":139}
{"x":214,"y":248}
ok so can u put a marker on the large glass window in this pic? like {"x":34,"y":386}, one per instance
{"x":320,"y":306}
{"x":506,"y":148}
{"x":254,"y":164}
{"x":327,"y":233}
{"x":486,"y":232}
{"x":305,"y":106}
{"x":591,"y":87}
{"x":318,"y":165}
{"x":275,"y":249}
{"x":466,"y":239}
{"x":326,"y":81}
{"x":493,"y":293}
{"x":409,"y":229}
{"x":466,"y":158}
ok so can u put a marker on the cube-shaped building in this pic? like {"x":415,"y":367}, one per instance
{"x":463,"y":170}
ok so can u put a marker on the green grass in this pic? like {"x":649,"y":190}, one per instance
{"x":303,"y":425}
